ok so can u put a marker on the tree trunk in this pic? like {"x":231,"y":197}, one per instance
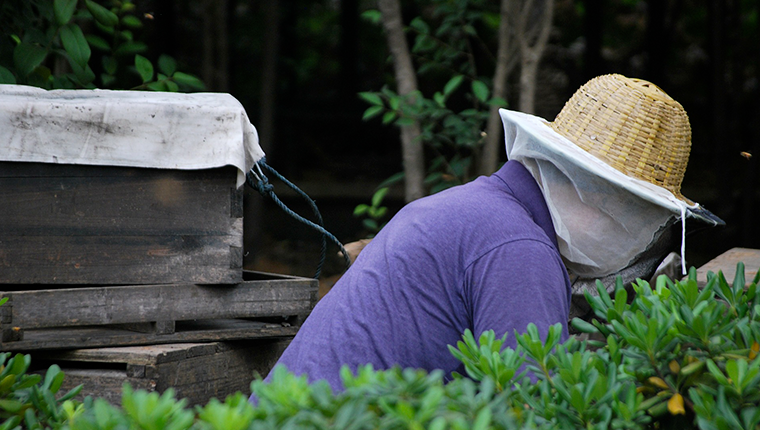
{"x":531,"y":52}
{"x":504,"y":65}
{"x":406,"y":80}
{"x":528,"y":71}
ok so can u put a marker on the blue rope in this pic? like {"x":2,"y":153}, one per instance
{"x":260,"y":182}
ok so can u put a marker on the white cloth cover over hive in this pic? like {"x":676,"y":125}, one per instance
{"x":126,"y":128}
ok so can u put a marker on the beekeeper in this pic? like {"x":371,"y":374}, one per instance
{"x":593,"y":194}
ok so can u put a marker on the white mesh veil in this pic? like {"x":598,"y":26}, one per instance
{"x":601,"y":226}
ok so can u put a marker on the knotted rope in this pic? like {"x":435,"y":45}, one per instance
{"x":259,"y":181}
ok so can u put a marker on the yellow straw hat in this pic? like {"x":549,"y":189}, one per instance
{"x":630,"y":125}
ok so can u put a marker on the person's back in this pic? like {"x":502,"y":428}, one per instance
{"x":480,"y":256}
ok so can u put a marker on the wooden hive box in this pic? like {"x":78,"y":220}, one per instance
{"x":122,"y":187}
{"x":68,"y":224}
{"x":196,"y":371}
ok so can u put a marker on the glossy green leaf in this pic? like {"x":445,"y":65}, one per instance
{"x":583,"y":326}
{"x":157,"y":86}
{"x":27,"y":57}
{"x":144,"y":68}
{"x":126,"y":35}
{"x":440,"y":99}
{"x":420,"y":25}
{"x":372,"y":112}
{"x":11,"y":406}
{"x":97,"y":42}
{"x":167,"y":65}
{"x":83,"y":76}
{"x":131,"y":21}
{"x":393,"y":179}
{"x":480,"y":90}
{"x":482,"y":420}
{"x":75,"y":44}
{"x":101,"y":14}
{"x":373,"y":15}
{"x":388,"y":117}
{"x":188,"y":80}
{"x":371,"y":98}
{"x":379,"y":195}
{"x":6,"y":77}
{"x":361,"y":209}
{"x":453,"y":84}
{"x":63,"y":10}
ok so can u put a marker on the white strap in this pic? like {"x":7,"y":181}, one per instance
{"x":683,"y":240}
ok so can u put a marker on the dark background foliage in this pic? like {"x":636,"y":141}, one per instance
{"x":297,"y":66}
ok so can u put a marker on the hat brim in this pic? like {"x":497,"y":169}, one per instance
{"x":554,"y":142}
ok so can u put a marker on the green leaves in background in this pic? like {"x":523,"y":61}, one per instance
{"x":59,"y":32}
{"x":64,"y":10}
{"x":27,"y":57}
{"x":102,"y":15}
{"x":480,"y":90}
{"x":188,"y":80}
{"x":167,"y":65}
{"x":144,"y":68}
{"x":453,"y":84}
{"x":6,"y":76}
{"x":75,"y":44}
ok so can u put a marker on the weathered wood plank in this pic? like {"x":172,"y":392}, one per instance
{"x":107,"y":260}
{"x":45,"y":340}
{"x":107,"y":206}
{"x":197,"y":372}
{"x":150,"y":303}
{"x":146,"y":355}
{"x":118,"y":225}
{"x":727,"y":261}
{"x":103,"y":383}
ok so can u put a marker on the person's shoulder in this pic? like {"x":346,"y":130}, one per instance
{"x":477,"y":195}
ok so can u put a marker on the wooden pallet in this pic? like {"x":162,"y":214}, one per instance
{"x":196,"y":371}
{"x":726,"y":263}
{"x":185,"y":331}
{"x":145,"y":314}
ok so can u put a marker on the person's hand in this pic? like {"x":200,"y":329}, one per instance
{"x":354,"y":248}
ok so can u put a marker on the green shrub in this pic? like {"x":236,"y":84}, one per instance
{"x":28,"y":400}
{"x":675,"y":356}
{"x":56,"y":44}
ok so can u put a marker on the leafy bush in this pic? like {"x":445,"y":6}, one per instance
{"x":63,"y":43}
{"x":675,"y":356}
{"x":28,"y":400}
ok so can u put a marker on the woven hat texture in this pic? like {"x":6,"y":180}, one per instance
{"x":631,"y":125}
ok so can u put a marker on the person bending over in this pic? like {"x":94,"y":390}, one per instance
{"x":592,"y":194}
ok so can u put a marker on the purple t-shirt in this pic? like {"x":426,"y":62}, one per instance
{"x":480,"y":256}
